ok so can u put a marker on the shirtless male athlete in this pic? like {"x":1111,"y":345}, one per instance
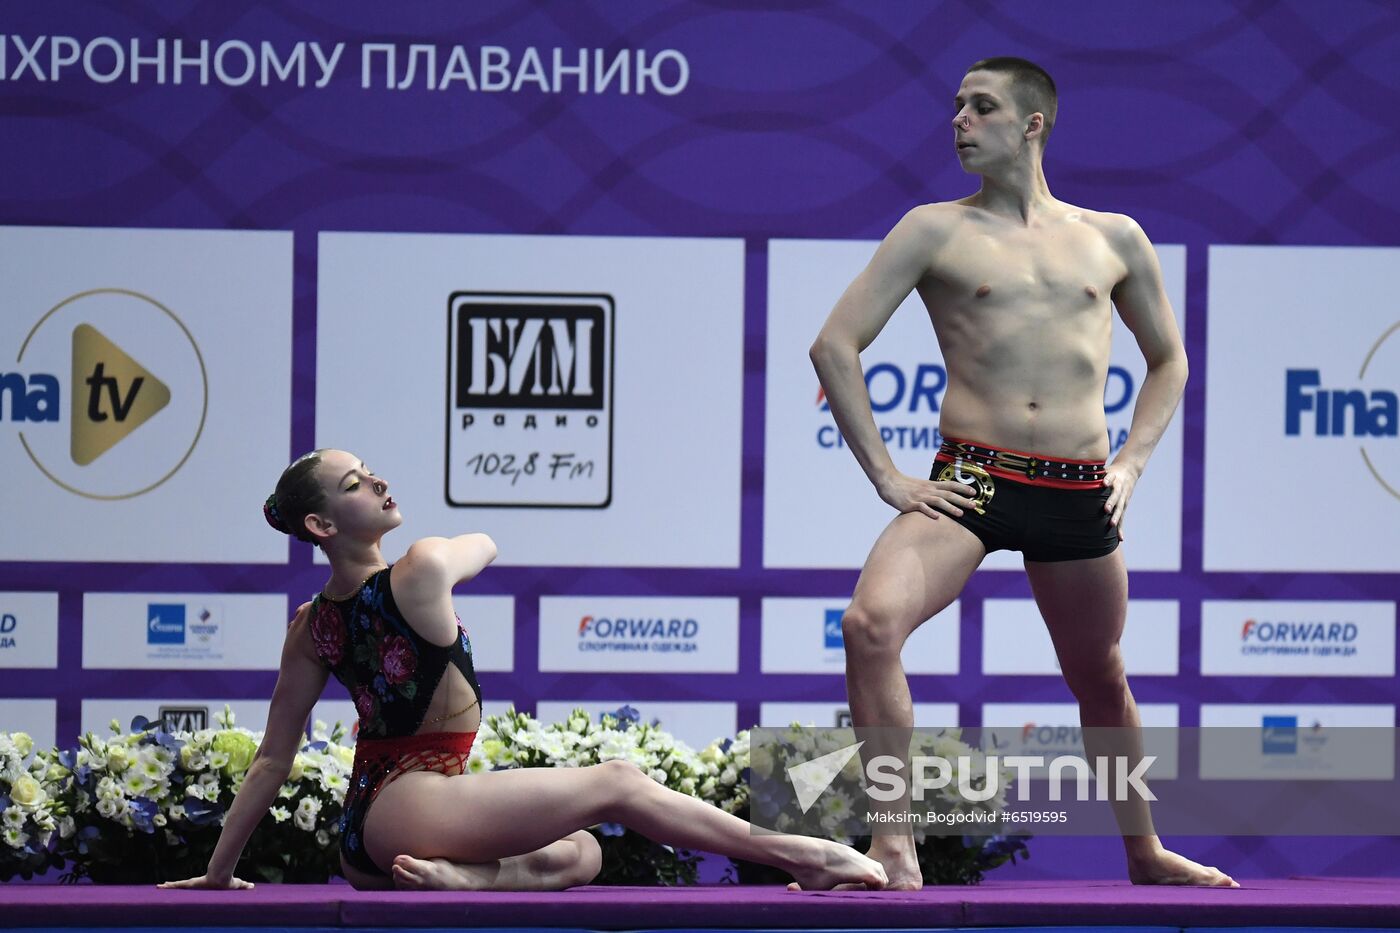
{"x":1020,"y":289}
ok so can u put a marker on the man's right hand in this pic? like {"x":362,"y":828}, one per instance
{"x":930,"y":497}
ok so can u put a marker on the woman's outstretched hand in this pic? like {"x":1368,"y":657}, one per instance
{"x":207,"y":883}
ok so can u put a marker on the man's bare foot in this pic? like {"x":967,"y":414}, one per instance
{"x":416,"y":874}
{"x":827,"y":866}
{"x":901,"y":865}
{"x":1164,"y":866}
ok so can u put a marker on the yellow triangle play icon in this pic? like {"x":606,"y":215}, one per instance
{"x":113,"y":395}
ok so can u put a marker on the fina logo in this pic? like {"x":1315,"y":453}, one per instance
{"x":656,"y":635}
{"x":1343,"y":412}
{"x":112,"y":394}
{"x":165,"y":624}
{"x":893,"y":390}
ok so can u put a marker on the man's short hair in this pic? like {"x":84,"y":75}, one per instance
{"x":1031,"y":84}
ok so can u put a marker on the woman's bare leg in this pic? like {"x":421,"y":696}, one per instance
{"x":509,"y":813}
{"x":572,"y":861}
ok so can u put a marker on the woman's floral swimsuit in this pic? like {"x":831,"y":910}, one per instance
{"x":391,"y":672}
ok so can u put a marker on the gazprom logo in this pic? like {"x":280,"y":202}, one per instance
{"x":165,"y":624}
{"x":1280,"y":735}
{"x":832,"y":636}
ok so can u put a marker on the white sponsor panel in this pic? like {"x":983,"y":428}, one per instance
{"x":490,"y":625}
{"x":803,"y":636}
{"x":559,"y":387}
{"x":1298,"y":638}
{"x":150,"y":385}
{"x":695,"y":724}
{"x":697,"y":634}
{"x":806,"y":463}
{"x":1050,"y":729}
{"x":37,"y":718}
{"x":176,"y":714}
{"x":1298,"y":742}
{"x":183,"y":631}
{"x":331,"y":712}
{"x":838,"y":715}
{"x":28,"y":630}
{"x":1016,"y":641}
{"x":1302,"y":379}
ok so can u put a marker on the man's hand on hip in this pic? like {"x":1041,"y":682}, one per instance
{"x":930,"y":497}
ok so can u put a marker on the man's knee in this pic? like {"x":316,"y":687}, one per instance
{"x":1101,"y":683}
{"x":871,"y":629}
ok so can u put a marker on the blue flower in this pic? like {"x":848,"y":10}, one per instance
{"x":140,"y":724}
{"x":626,"y":716}
{"x":611,"y":829}
{"x":167,"y":741}
{"x":202,"y":812}
{"x":143,"y":811}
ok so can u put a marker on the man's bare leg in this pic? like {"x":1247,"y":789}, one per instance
{"x":916,"y":568}
{"x":572,"y":861}
{"x":1085,"y":605}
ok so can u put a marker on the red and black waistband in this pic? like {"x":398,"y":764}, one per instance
{"x":1022,"y":467}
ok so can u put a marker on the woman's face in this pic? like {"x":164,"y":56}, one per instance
{"x":358,"y":504}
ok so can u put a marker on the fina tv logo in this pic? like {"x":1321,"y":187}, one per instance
{"x":165,"y":624}
{"x":897,"y":394}
{"x":655,"y":635}
{"x":530,"y":399}
{"x":113,"y":396}
{"x":1371,"y":414}
{"x":1299,"y":638}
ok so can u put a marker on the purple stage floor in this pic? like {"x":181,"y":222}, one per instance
{"x":1295,"y":902}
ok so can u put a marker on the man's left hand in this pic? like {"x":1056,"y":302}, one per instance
{"x":1120,"y":479}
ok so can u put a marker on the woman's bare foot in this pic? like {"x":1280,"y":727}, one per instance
{"x":1163,"y":866}
{"x":825,"y":866}
{"x":416,"y":874}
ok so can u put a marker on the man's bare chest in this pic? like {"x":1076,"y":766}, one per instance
{"x":1062,"y":268}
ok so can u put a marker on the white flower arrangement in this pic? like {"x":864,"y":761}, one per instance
{"x":147,"y":804}
{"x":30,"y":819}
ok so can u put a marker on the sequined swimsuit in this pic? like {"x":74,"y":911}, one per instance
{"x":391,"y":672}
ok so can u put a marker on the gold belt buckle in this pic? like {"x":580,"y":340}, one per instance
{"x":970,"y":474}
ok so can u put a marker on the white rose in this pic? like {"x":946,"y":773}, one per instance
{"x":304,"y":821}
{"x":23,"y":743}
{"x":28,"y":792}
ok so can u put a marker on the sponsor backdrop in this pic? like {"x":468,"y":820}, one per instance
{"x":553,"y":270}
